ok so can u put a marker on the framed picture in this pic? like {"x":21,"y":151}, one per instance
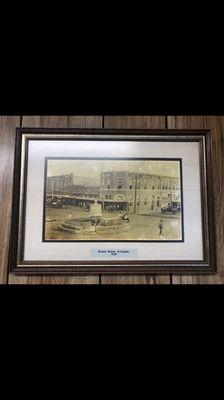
{"x":112,"y":201}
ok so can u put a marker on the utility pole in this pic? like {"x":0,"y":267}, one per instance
{"x":135,"y":193}
{"x":52,"y":188}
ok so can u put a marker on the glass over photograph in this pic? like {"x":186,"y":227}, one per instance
{"x":113,"y":200}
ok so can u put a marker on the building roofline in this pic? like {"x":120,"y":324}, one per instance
{"x":142,"y":173}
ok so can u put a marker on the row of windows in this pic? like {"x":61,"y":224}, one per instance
{"x":118,"y":187}
{"x":145,"y":187}
{"x":151,"y":201}
{"x":60,"y":183}
{"x":145,"y":203}
{"x":145,"y":200}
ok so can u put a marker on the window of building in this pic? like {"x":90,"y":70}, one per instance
{"x":153,"y":187}
{"x":108,"y":186}
{"x":120,"y":187}
{"x":157,"y":203}
{"x":130,"y":186}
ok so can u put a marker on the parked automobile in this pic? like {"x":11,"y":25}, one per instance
{"x":54,"y":203}
{"x":172,"y":207}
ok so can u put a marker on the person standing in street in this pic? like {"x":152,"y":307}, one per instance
{"x":160,"y":228}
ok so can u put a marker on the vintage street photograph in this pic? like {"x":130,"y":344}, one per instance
{"x":87,"y":199}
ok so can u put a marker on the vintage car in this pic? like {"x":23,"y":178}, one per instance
{"x":172,"y":207}
{"x":54,"y":203}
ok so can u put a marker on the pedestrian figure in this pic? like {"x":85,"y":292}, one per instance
{"x":152,"y":205}
{"x":161,"y":228}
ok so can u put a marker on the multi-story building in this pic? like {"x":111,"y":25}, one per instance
{"x":119,"y":191}
{"x":59,"y":184}
{"x":140,"y":193}
{"x":64,"y":185}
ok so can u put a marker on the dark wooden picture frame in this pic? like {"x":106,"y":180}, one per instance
{"x":19,"y":266}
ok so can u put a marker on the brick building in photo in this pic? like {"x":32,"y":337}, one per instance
{"x":60,"y":184}
{"x":140,"y":193}
{"x":64,"y":185}
{"x":119,"y":191}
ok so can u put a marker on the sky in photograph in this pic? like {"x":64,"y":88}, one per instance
{"x":88,"y":171}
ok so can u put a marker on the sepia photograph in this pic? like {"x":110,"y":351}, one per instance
{"x":95,"y":199}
